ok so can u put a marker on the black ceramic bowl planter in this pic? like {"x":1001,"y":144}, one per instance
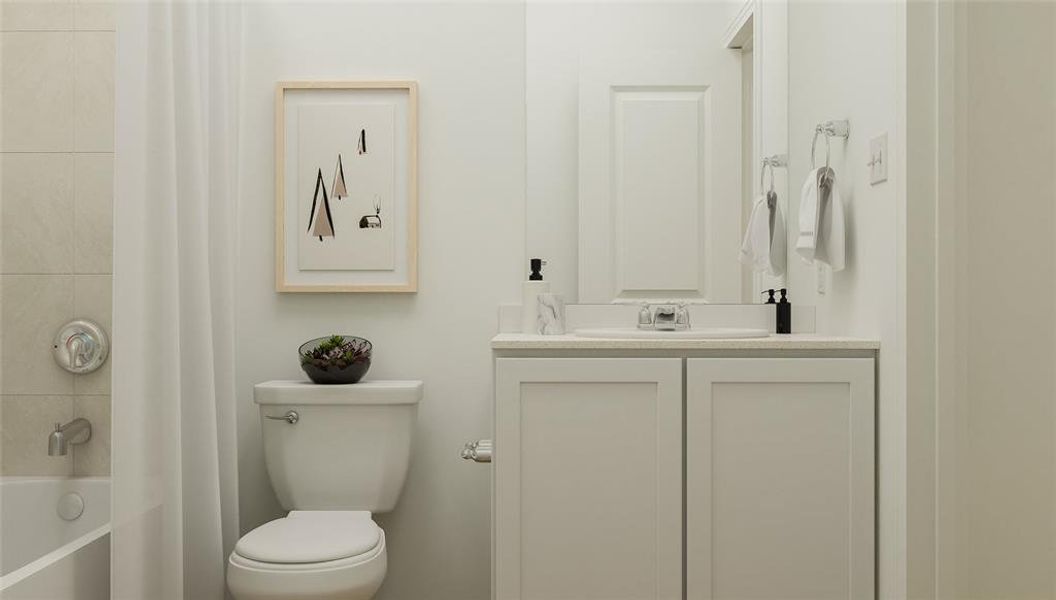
{"x":336,"y":359}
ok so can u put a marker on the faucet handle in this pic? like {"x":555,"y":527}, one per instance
{"x":79,"y":348}
{"x":645,"y":317}
{"x":682,"y":316}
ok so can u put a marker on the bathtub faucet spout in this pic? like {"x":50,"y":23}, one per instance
{"x":77,"y":431}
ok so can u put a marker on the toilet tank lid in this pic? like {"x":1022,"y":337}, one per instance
{"x":364,"y":392}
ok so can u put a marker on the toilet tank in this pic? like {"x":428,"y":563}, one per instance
{"x":349,"y":448}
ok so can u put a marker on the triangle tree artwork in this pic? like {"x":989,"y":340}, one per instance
{"x":320,"y":217}
{"x":338,"y":188}
{"x":320,"y":220}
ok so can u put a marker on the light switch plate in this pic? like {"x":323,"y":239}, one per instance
{"x":878,"y":159}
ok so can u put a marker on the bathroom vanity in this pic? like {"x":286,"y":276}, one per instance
{"x":696,"y":468}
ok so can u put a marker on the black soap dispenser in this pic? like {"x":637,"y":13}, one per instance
{"x":536,"y":266}
{"x":771,"y":299}
{"x":784,"y":312}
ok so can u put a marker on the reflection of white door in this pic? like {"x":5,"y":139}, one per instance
{"x":660,"y":178}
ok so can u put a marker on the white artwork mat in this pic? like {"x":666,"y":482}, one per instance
{"x":295,"y":215}
{"x":362,"y":231}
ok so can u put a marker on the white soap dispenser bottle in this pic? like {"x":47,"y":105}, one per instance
{"x":530,"y":297}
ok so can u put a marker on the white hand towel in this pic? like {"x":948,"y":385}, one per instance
{"x":831,"y":231}
{"x":821,"y":228}
{"x":763,"y":248}
{"x":807,"y":240}
{"x":754,"y":246}
{"x":778,"y":240}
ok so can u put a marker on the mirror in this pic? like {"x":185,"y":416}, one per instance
{"x":646,"y":126}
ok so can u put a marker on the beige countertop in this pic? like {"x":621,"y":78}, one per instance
{"x":795,"y":341}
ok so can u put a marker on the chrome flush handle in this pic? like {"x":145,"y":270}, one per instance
{"x":290,"y":417}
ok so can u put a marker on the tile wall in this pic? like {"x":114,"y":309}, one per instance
{"x":56,"y":187}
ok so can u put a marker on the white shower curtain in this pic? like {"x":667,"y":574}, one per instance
{"x":175,"y":503}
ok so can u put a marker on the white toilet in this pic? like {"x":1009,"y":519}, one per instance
{"x":335,"y":455}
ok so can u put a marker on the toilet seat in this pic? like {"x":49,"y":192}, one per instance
{"x":310,"y":555}
{"x":311,"y":537}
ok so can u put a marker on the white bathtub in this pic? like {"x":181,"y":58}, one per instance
{"x":43,"y":555}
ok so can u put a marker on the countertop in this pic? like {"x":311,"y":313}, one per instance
{"x":795,"y":341}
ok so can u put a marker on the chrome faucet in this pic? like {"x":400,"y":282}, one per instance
{"x":77,"y":431}
{"x":664,"y":317}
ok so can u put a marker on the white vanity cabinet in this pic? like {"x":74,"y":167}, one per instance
{"x":588,"y":479}
{"x":780,"y":478}
{"x":702,"y":474}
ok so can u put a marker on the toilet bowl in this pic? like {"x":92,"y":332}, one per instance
{"x":336,"y":455}
{"x":310,"y":555}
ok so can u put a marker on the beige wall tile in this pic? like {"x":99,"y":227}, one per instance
{"x":25,"y":423}
{"x":96,"y":15}
{"x":38,"y":92}
{"x":34,"y":308}
{"x":36,"y":15}
{"x":93,"y":456}
{"x":92,"y":295}
{"x":93,"y":213}
{"x":94,"y":84}
{"x":37,"y":200}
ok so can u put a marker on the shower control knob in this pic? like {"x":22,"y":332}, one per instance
{"x":81,"y":346}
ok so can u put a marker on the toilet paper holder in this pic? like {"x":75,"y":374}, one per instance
{"x":478,"y":451}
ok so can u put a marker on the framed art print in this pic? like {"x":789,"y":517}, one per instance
{"x":346,"y":207}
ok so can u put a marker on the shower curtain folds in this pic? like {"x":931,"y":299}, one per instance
{"x":175,"y":504}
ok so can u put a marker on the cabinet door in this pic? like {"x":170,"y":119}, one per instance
{"x":779,"y":478}
{"x":588,"y":479}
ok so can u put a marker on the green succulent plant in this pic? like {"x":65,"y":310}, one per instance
{"x":336,"y":351}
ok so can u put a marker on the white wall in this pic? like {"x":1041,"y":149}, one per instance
{"x":468,"y":59}
{"x":952,"y":265}
{"x":771,"y":55}
{"x":844,"y":64}
{"x":562,"y":36}
{"x":1003,"y":336}
{"x":928,"y":191}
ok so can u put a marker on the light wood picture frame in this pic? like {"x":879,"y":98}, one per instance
{"x":346,"y":186}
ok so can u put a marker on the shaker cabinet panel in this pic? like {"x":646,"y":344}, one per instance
{"x":588,"y":479}
{"x":779,"y":478}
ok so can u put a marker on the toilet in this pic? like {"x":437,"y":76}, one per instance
{"x":336,"y":455}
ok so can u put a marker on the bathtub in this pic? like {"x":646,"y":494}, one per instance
{"x":43,"y":555}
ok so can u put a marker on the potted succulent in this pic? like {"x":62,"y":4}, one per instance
{"x":336,"y":359}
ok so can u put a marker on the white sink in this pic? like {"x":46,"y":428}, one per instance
{"x":705,"y":333}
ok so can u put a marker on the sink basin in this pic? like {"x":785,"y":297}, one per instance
{"x":704,"y":333}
